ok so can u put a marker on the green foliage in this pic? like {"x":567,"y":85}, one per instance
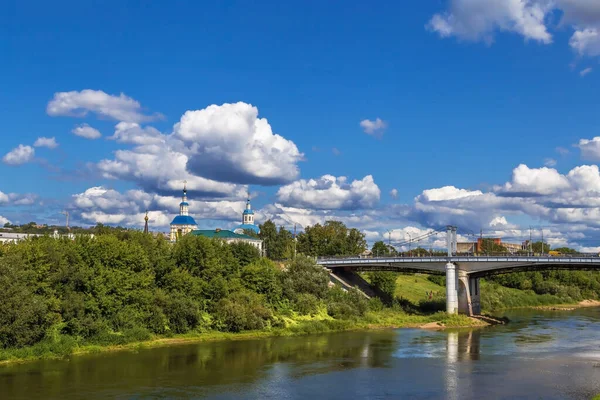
{"x":244,"y":253}
{"x":243,"y":310}
{"x":346,"y":304}
{"x":263,"y":277}
{"x":380,"y":249}
{"x":437,"y":279}
{"x":279,"y":245}
{"x":303,"y":275}
{"x":385,"y":283}
{"x":331,"y":239}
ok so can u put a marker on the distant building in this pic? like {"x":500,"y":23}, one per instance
{"x":479,"y":246}
{"x":14,"y":237}
{"x":183,"y":223}
{"x":230,"y":237}
{"x":247,"y":220}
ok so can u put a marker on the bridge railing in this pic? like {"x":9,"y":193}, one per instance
{"x":491,"y":254}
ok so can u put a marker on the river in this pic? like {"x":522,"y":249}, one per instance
{"x":548,"y":355}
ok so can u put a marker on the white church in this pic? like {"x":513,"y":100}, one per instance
{"x":184,"y":224}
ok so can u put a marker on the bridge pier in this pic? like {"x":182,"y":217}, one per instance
{"x":464,"y":294}
{"x":475,"y":295}
{"x":451,"y":293}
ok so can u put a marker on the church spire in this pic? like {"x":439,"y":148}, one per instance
{"x":146,"y":222}
{"x":184,"y":206}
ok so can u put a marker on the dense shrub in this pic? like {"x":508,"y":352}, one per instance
{"x":241,"y":311}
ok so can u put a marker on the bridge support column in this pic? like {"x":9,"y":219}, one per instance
{"x":451,"y":294}
{"x":475,"y":295}
{"x":464,"y":294}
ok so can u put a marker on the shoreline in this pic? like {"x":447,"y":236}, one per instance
{"x":566,"y":307}
{"x":478,"y":322}
{"x":216,"y":336}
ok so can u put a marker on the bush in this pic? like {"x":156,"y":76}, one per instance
{"x":437,"y":279}
{"x":304,"y":276}
{"x":263,"y":277}
{"x":245,"y":253}
{"x":242,"y":311}
{"x":306,"y":304}
{"x":385,"y":284}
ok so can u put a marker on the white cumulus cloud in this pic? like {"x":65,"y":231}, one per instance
{"x":3,"y":220}
{"x":79,"y":104}
{"x":19,"y":155}
{"x":86,"y":131}
{"x":394,"y":193}
{"x":374,"y":128}
{"x":537,"y":181}
{"x":585,"y":71}
{"x":329,"y":192}
{"x":230,"y":143}
{"x":479,"y":19}
{"x":46,"y":142}
{"x":590,"y":148}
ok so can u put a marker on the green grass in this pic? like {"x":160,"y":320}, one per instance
{"x":496,"y":297}
{"x":414,"y":288}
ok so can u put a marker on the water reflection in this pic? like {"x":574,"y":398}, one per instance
{"x":544,"y":354}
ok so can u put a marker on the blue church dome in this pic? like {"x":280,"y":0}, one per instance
{"x":183,"y":220}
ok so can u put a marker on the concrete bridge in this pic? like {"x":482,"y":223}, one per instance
{"x":463,"y":272}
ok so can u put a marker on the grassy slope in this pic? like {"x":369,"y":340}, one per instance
{"x":493,"y":296}
{"x":414,"y":287}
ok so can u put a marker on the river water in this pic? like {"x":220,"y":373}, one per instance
{"x":539,"y":355}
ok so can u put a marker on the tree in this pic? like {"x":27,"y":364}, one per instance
{"x":381,"y":249}
{"x":268,"y":234}
{"x":331,"y":239}
{"x":537,"y":247}
{"x":490,"y":246}
{"x":385,"y":283}
{"x":245,"y":253}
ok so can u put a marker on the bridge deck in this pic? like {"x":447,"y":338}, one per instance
{"x":471,"y":264}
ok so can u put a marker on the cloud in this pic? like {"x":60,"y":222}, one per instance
{"x":108,"y":206}
{"x":447,"y":193}
{"x":480,"y":20}
{"x":329,"y":192}
{"x":584,"y":72}
{"x":15,"y":199}
{"x":373,"y":128}
{"x":86,"y":131}
{"x":537,"y":181}
{"x":3,"y":220}
{"x":586,"y":42}
{"x":562,"y":151}
{"x":229,"y":143}
{"x":498,"y":222}
{"x":336,"y":151}
{"x":394,"y":193}
{"x":162,"y":169}
{"x":590,"y":148}
{"x":133,"y":133}
{"x":79,"y":104}
{"x":549,"y":162}
{"x":19,"y":155}
{"x":46,"y":142}
{"x":477,"y":20}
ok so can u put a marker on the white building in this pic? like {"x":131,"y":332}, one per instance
{"x":183,"y":223}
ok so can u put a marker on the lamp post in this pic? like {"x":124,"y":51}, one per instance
{"x":409,"y":244}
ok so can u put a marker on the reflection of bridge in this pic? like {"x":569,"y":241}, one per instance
{"x":463,"y":272}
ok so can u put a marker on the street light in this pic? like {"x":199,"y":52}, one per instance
{"x":409,"y":243}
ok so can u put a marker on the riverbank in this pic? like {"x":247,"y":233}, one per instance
{"x":61,"y":346}
{"x":569,"y":307}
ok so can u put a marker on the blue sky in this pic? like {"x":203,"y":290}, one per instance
{"x":466,"y":92}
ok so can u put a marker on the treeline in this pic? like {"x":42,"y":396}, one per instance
{"x":126,"y":286}
{"x":333,"y":238}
